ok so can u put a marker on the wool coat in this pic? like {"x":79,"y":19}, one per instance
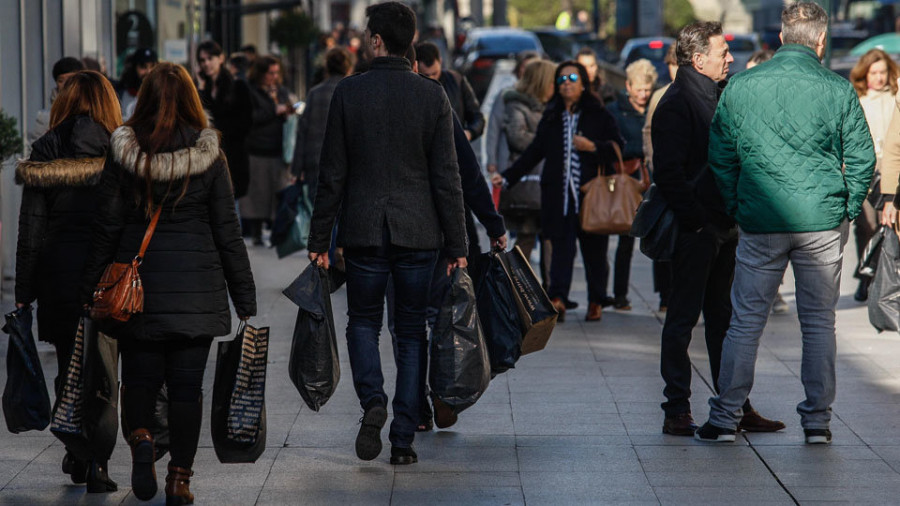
{"x":388,"y":161}
{"x":232,"y":114}
{"x":58,"y":206}
{"x":597,"y":125}
{"x":196,"y":257}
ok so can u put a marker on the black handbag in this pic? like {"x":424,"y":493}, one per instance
{"x":656,"y":226}
{"x":26,"y":403}
{"x":525,"y":197}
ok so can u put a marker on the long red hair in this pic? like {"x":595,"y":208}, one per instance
{"x":166,"y":101}
{"x":859,"y":74}
{"x":87,"y":92}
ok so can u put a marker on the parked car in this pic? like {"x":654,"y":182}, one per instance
{"x":484,"y":46}
{"x":651,"y":48}
{"x":561,"y":45}
{"x":742,"y":48}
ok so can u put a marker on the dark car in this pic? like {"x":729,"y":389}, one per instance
{"x":742,"y":48}
{"x":484,"y":46}
{"x":651,"y":48}
{"x":561,"y":45}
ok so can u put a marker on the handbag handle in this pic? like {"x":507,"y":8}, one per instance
{"x":147,"y":235}
{"x":621,"y":167}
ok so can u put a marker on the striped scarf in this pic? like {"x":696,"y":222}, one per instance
{"x":572,"y":172}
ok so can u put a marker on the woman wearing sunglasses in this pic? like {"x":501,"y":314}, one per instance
{"x":573,"y":138}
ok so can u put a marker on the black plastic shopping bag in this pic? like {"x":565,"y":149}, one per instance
{"x":238,"y":419}
{"x":290,"y":230}
{"x":868,"y":261}
{"x":498,"y":312}
{"x":26,"y":403}
{"x":86,"y":414}
{"x":537,"y":316}
{"x":884,"y":291}
{"x":314,"y":366}
{"x":460,"y":368}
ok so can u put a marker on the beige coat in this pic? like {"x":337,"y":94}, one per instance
{"x":879,"y":108}
{"x":890,"y":160}
{"x":651,"y":108}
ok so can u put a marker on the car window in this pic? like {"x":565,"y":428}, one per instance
{"x":650,"y":53}
{"x":741,"y":46}
{"x":505,"y":44}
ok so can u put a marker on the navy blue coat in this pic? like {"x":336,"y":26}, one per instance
{"x":597,"y":125}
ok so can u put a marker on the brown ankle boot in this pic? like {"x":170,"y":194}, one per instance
{"x":178,"y":483}
{"x":143,"y":468}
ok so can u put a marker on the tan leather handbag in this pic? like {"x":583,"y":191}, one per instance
{"x":610,"y":202}
{"x":120,"y":294}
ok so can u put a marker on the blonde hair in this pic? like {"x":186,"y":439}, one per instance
{"x":537,"y":80}
{"x":641,"y":72}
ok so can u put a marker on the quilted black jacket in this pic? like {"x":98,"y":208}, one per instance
{"x":195,"y":258}
{"x":58,"y":207}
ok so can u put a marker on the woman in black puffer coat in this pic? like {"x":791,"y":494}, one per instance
{"x":166,"y":157}
{"x":58,"y":206}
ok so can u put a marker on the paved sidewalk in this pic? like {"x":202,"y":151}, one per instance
{"x":578,"y":423}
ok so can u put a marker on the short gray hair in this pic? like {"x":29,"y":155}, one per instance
{"x":694,"y":38}
{"x":802,"y":23}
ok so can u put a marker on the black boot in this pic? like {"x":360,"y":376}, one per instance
{"x":74,"y":467}
{"x":98,"y":480}
{"x":862,"y":291}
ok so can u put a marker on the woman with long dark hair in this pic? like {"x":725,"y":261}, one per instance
{"x":165,"y":158}
{"x":268,"y":170}
{"x":574,"y":137}
{"x":58,"y":203}
{"x":228,"y":102}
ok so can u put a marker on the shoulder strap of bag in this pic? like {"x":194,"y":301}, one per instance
{"x":148,"y":234}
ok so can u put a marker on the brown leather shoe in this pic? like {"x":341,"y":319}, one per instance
{"x":594,"y":313}
{"x":560,"y":306}
{"x":681,"y":424}
{"x":755,"y":422}
{"x":143,"y":470}
{"x":443,"y":415}
{"x":178,"y":483}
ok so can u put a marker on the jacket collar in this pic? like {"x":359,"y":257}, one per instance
{"x":60,"y":172}
{"x":166,"y":166}
{"x":391,"y":63}
{"x":696,"y":82}
{"x":797,"y":49}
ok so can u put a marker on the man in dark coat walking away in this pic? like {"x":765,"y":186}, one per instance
{"x":311,"y":130}
{"x":388,"y":163}
{"x":459,"y":91}
{"x":703,"y":264}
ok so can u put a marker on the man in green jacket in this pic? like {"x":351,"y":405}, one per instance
{"x":793,"y":158}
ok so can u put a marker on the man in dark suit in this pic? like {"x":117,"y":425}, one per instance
{"x":389,"y":164}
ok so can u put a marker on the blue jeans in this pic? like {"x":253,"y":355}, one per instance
{"x":368,"y":271}
{"x":761,"y":260}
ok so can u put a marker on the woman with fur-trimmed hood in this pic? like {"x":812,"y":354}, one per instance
{"x":58,"y":207}
{"x":166,"y":157}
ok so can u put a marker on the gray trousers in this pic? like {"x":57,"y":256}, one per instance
{"x":761,"y":260}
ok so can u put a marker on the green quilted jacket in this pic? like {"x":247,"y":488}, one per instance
{"x":781,"y":134}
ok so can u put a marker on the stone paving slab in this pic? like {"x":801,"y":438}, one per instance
{"x":578,"y":423}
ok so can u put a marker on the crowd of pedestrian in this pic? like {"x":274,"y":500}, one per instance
{"x":759,"y":171}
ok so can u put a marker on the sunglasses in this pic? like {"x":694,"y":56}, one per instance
{"x":571,"y":77}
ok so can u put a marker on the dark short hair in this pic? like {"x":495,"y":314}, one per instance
{"x":395,"y":23}
{"x":248,"y":49}
{"x":586,"y":51}
{"x":694,"y":38}
{"x":763,"y":55}
{"x":428,"y":53}
{"x":91,"y":64}
{"x":66,"y":65}
{"x":209,"y":47}
{"x":338,"y":61}
{"x":240,"y":63}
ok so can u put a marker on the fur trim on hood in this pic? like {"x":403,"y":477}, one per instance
{"x":166,"y":167}
{"x":60,"y":172}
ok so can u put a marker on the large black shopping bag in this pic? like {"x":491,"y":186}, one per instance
{"x":460,"y":369}
{"x":537,"y":316}
{"x":238,"y":419}
{"x":26,"y":403}
{"x":86,"y":414}
{"x":884,"y":291}
{"x":314,"y":366}
{"x":498,"y":311}
{"x":292,"y":221}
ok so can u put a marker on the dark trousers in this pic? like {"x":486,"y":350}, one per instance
{"x":368,"y":271}
{"x":622,"y":265}
{"x":867,"y":224}
{"x":562,"y":261}
{"x":703,"y":269}
{"x":178,"y":363}
{"x":662,"y":280}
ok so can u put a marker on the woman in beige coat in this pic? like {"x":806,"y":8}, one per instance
{"x":875,"y":79}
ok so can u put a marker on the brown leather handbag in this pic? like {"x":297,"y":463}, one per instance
{"x":120,"y":294}
{"x":610,"y":202}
